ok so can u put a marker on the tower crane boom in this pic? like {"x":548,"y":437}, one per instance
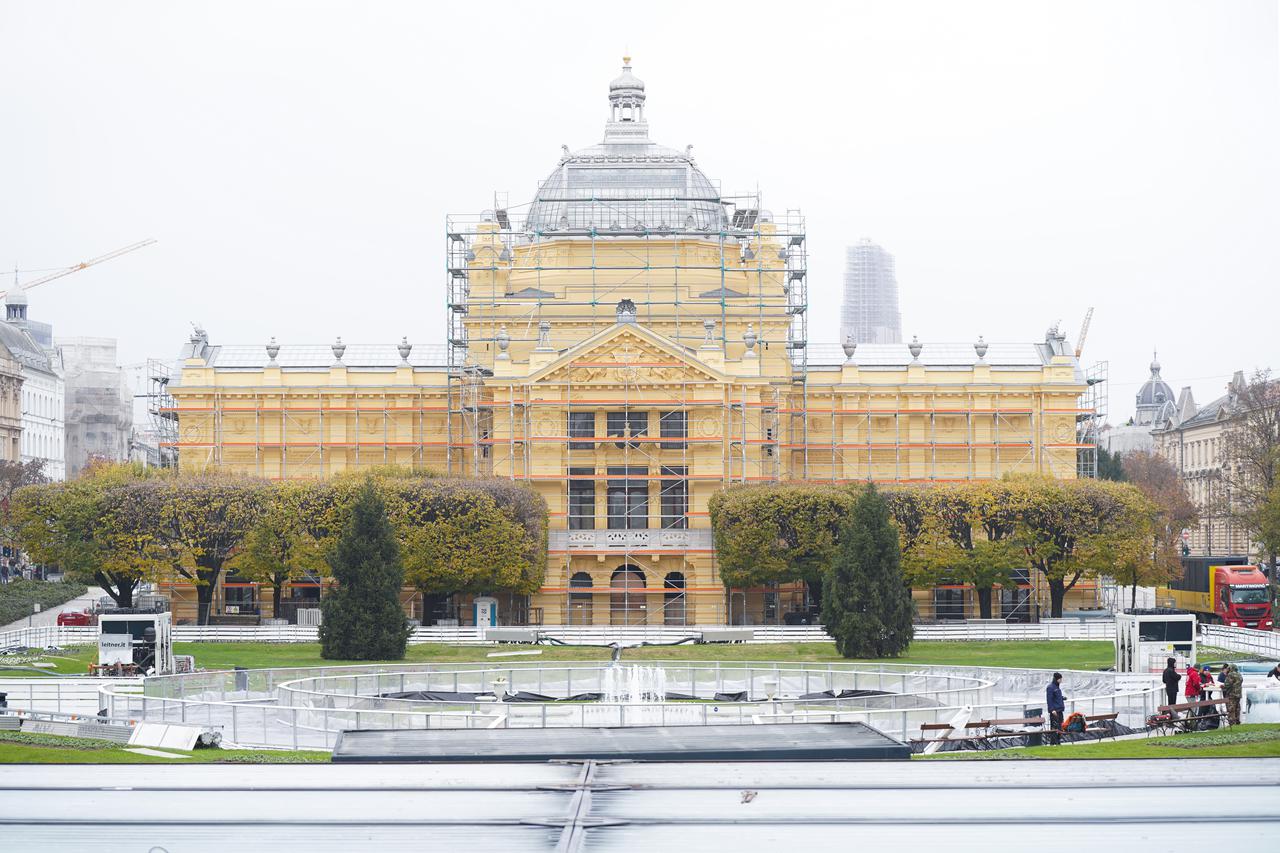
{"x":1084,"y":331}
{"x":83,"y":265}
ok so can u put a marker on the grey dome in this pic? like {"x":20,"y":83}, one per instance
{"x":627,"y":184}
{"x":627,"y":187}
{"x":17,"y":295}
{"x":1154,"y":394}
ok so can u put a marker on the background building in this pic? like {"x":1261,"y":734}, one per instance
{"x":1191,"y":438}
{"x":869,"y":314}
{"x":99,"y":403}
{"x":10,"y":407}
{"x":1154,"y":403}
{"x":43,"y":423}
{"x":628,"y":344}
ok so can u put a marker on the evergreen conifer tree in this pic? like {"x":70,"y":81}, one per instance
{"x":362,"y":617}
{"x":866,"y":603}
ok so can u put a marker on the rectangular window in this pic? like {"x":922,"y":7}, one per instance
{"x":582,"y":500}
{"x":627,"y":425}
{"x":673,"y":425}
{"x":628,"y":498}
{"x":675,"y":498}
{"x":582,"y":425}
{"x":948,"y":603}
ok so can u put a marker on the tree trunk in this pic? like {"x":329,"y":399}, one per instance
{"x":207,"y":574}
{"x":276,"y":594}
{"x":1133,"y":596}
{"x":984,"y":602}
{"x":204,"y":603}
{"x":121,"y":591}
{"x":1057,"y":592}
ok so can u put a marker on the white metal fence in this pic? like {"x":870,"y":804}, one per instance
{"x":959,"y":631}
{"x":73,"y":695}
{"x":1261,"y":643}
{"x":251,"y":708}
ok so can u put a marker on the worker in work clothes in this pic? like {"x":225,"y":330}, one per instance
{"x":1057,"y":706}
{"x":1232,"y":688}
{"x":1171,"y":679}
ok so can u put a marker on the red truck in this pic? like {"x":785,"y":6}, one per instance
{"x":77,"y":617}
{"x":1225,"y":590}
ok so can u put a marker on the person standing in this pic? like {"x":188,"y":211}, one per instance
{"x":1192,"y":689}
{"x":1232,"y":690}
{"x":1057,"y":706}
{"x":1171,"y":679}
{"x":1206,"y":682}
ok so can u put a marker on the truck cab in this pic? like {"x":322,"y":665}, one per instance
{"x":1241,"y":597}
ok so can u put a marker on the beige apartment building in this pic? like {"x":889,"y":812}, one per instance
{"x":1191,"y":438}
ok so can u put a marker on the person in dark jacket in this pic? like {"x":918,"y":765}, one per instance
{"x":1171,"y":679}
{"x":1057,"y":706}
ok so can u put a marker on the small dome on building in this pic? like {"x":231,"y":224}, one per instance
{"x":17,"y":295}
{"x":1152,"y":396}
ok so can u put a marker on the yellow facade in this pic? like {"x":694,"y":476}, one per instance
{"x":629,"y":349}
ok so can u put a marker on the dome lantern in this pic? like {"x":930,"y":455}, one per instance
{"x":626,"y":108}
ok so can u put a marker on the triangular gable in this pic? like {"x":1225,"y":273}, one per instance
{"x":628,"y":352}
{"x":531,"y":293}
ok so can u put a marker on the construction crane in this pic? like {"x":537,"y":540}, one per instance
{"x":1084,"y":331}
{"x":80,"y":266}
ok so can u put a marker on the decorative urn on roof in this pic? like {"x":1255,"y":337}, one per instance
{"x":338,"y":349}
{"x":849,"y":347}
{"x":273,"y":350}
{"x":404,"y":348}
{"x":980,"y":348}
{"x":915,"y":348}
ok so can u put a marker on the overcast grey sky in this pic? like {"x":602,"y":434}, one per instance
{"x":296,"y":161}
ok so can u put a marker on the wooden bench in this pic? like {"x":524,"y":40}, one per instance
{"x":1029,"y":725}
{"x":1094,"y":723}
{"x":944,"y":729}
{"x":1168,"y":721}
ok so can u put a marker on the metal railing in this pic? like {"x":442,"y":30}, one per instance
{"x":959,"y":631}
{"x":274,"y":708}
{"x":1248,"y":640}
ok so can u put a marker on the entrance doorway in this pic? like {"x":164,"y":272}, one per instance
{"x":628,"y":604}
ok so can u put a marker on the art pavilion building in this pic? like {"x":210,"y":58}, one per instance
{"x":628,"y":343}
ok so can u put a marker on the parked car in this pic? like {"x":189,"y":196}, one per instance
{"x":76,"y":617}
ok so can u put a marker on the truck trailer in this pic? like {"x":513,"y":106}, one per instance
{"x":1223,"y":589}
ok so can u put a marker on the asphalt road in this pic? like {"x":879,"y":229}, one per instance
{"x":811,"y":806}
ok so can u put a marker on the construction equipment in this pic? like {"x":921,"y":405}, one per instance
{"x":1084,"y":332}
{"x":80,"y":266}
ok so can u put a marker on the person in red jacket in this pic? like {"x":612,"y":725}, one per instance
{"x":1192,"y":689}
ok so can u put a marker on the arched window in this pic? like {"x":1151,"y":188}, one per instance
{"x":674,"y":609}
{"x":627,"y":602}
{"x":580,"y":602}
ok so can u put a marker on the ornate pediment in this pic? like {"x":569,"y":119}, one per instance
{"x":627,"y":354}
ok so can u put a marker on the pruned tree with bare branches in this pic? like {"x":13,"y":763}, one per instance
{"x":1251,"y":451}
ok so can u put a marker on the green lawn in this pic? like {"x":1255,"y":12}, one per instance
{"x":27,"y":748}
{"x":1261,"y":740}
{"x":1067,"y":654}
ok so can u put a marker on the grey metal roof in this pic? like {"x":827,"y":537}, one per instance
{"x":24,"y":348}
{"x":1208,"y":413}
{"x":321,"y":356}
{"x":626,"y":186}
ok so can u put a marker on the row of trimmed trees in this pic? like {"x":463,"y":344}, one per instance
{"x":119,"y":526}
{"x":978,"y":533}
